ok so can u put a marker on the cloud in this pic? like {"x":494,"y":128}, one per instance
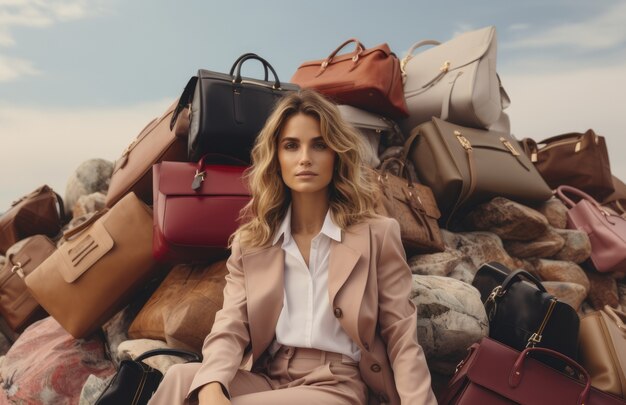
{"x":12,"y":68}
{"x":600,"y":32}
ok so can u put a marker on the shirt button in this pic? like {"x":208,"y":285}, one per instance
{"x":338,"y":313}
{"x":375,"y":368}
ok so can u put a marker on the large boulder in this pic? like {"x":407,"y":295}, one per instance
{"x":555,"y":212}
{"x":546,"y":245}
{"x":558,"y":270}
{"x":91,"y":176}
{"x":577,"y":247}
{"x":570,"y":293}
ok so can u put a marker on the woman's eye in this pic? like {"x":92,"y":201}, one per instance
{"x":290,"y":145}
{"x":320,"y":145}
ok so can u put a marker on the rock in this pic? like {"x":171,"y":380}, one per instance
{"x":91,"y":176}
{"x":621,"y":293}
{"x":450,"y":317}
{"x":603,"y":290}
{"x":88,"y":204}
{"x":507,"y":219}
{"x":577,"y":247}
{"x":570,"y":293}
{"x":482,"y":247}
{"x":555,"y":212}
{"x":436,"y":264}
{"x":557,"y":270}
{"x":546,"y":245}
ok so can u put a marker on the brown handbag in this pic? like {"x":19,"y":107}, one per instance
{"x":182,"y":310}
{"x":573,"y":159}
{"x":367,"y":78}
{"x":467,"y":166}
{"x":617,"y":200}
{"x":160,"y":140}
{"x":602,"y":346}
{"x":95,"y":272}
{"x":17,"y":306}
{"x":413,"y":206}
{"x":39,"y":212}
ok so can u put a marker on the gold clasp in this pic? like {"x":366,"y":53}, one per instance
{"x":445,"y":67}
{"x":465,"y":143}
{"x":509,"y":146}
{"x":534,"y":340}
{"x":18,"y":269}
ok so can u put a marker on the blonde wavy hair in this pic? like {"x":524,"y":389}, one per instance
{"x":351,"y":194}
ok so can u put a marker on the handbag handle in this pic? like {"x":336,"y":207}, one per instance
{"x":413,"y":47}
{"x":517,"y":372}
{"x":194,"y":357}
{"x":184,"y":100}
{"x":579,"y":136}
{"x":245,"y":55}
{"x":78,"y":229}
{"x":358,"y":50}
{"x":517,"y":275}
{"x":561,"y":190}
{"x":237,"y":67}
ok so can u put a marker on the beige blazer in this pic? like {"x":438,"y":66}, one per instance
{"x":369,"y":283}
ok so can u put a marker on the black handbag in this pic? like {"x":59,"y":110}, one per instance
{"x":523,"y":314}
{"x":135,"y":381}
{"x":228,"y":110}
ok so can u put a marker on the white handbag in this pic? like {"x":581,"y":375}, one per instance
{"x":373,"y":127}
{"x":455,"y":81}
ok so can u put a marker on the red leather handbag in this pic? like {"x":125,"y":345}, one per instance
{"x":606,"y":230}
{"x":495,"y":374}
{"x":196,"y":208}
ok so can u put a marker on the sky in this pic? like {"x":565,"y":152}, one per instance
{"x":80,"y":78}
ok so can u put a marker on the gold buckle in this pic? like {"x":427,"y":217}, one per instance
{"x":18,"y":269}
{"x":510,"y":147}
{"x":465,"y":143}
{"x":445,"y":67}
{"x":533,"y":340}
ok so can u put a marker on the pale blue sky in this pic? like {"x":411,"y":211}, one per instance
{"x":80,"y":78}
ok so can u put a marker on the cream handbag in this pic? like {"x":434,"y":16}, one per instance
{"x":455,"y":81}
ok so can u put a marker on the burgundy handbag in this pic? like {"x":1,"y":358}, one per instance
{"x":606,"y":230}
{"x":367,"y":78}
{"x":495,"y":374}
{"x":196,"y":208}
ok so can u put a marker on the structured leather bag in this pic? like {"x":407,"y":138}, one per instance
{"x":98,"y":268}
{"x":606,"y":230}
{"x":229,"y":110}
{"x":522,"y":314}
{"x":182,"y":310}
{"x":380,"y":132}
{"x":617,"y":200}
{"x":466,"y":166}
{"x":135,"y":381}
{"x":603,"y":349}
{"x":37,"y":213}
{"x":367,"y":78}
{"x":455,"y":81}
{"x":158,"y":141}
{"x":196,"y":208}
{"x":495,"y":374}
{"x":579,"y":160}
{"x":17,"y":306}
{"x":414,"y":206}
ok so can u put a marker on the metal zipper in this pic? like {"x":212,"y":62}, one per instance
{"x":536,"y":337}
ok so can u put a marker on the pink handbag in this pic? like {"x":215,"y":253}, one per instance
{"x":607,"y":231}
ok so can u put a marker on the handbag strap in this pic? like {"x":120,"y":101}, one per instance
{"x":237,"y":67}
{"x":192,"y":356}
{"x":517,"y":372}
{"x":184,"y":100}
{"x":232,"y":68}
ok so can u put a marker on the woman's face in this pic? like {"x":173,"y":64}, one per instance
{"x":306,"y":162}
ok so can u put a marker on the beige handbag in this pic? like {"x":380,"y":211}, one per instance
{"x":455,"y":81}
{"x":376,"y":129}
{"x":602,"y":345}
{"x":102,"y":262}
{"x":466,"y":166}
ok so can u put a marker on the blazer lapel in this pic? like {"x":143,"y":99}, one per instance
{"x":265,"y":289}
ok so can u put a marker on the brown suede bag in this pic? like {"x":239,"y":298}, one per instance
{"x":182,"y":310}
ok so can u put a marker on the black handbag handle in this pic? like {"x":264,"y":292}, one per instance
{"x":245,"y":55}
{"x":192,"y":356}
{"x":238,"y":79}
{"x":184,"y":100}
{"x":517,"y":275}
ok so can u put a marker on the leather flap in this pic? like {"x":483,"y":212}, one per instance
{"x":459,"y":51}
{"x":80,"y":253}
{"x":175,"y":178}
{"x":363,"y":119}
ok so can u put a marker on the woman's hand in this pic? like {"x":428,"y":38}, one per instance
{"x":212,"y":394}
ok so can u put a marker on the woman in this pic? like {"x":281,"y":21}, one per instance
{"x":316,"y":299}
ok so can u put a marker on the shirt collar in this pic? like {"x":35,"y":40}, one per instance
{"x":329,"y":228}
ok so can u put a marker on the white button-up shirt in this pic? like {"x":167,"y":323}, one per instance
{"x":307,"y":319}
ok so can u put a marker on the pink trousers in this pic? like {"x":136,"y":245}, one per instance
{"x":293,"y":376}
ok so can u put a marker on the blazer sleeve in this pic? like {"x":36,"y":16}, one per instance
{"x":398,"y":321}
{"x":224,"y":347}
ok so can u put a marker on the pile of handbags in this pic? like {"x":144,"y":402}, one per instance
{"x":177,"y":191}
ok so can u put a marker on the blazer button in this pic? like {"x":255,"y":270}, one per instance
{"x":375,"y":368}
{"x":338,"y":313}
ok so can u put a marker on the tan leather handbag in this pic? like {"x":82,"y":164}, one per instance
{"x":160,"y":140}
{"x":17,"y":306}
{"x":182,"y":310}
{"x":413,"y":206}
{"x":101,"y":264}
{"x":39,"y":212}
{"x":466,"y":166}
{"x":455,"y":81}
{"x":367,"y":78}
{"x":574,"y":159}
{"x":602,"y":345}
